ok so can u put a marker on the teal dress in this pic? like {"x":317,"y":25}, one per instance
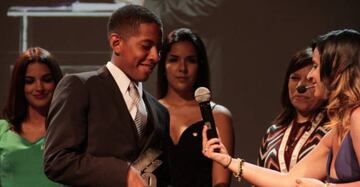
{"x":21,"y":162}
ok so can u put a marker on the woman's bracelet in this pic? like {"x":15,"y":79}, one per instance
{"x":239,"y":172}
{"x":228,"y":164}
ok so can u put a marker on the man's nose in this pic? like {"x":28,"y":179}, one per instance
{"x":154,"y":54}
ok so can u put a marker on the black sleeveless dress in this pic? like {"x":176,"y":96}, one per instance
{"x":188,"y":166}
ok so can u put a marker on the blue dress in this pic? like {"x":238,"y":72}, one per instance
{"x":346,"y":164}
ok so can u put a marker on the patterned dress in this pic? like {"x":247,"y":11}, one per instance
{"x":283,"y":146}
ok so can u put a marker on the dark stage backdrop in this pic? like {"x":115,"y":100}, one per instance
{"x":249,"y":41}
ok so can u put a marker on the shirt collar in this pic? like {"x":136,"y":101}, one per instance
{"x":122,"y":80}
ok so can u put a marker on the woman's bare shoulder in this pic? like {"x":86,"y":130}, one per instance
{"x":221,"y":110}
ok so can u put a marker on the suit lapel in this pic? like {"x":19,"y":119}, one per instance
{"x":153,"y":122}
{"x":116,"y":95}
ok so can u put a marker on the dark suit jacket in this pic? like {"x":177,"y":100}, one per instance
{"x":91,"y":138}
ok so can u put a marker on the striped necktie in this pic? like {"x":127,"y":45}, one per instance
{"x":141,"y":114}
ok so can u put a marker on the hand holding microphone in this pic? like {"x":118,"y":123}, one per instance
{"x":203,"y":97}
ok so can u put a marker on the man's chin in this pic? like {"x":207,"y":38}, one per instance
{"x":145,"y":74}
{"x":143,"y":77}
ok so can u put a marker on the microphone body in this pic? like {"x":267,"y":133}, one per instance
{"x":203,"y":96}
{"x":208,"y":119}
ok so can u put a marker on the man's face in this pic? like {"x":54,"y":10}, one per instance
{"x":139,"y":53}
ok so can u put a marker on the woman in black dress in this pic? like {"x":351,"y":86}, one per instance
{"x":183,"y":68}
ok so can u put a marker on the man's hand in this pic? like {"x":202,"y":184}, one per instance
{"x":134,"y":179}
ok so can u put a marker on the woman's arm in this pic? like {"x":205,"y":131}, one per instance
{"x":313,"y":165}
{"x":222,"y":116}
{"x":310,"y":182}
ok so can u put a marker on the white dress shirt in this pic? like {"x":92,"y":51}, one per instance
{"x":123,"y":82}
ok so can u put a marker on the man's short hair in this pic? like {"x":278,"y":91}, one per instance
{"x":126,"y":20}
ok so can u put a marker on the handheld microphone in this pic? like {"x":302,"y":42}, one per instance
{"x":304,"y":88}
{"x":203,"y":96}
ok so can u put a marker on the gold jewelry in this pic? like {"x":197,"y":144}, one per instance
{"x":239,"y":172}
{"x":205,"y":150}
{"x":228,"y":164}
{"x":326,"y":184}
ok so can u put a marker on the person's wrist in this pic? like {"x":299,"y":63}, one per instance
{"x":228,"y":163}
{"x":224,"y":160}
{"x":239,"y":172}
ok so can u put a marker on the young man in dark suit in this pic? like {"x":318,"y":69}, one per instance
{"x":94,"y":134}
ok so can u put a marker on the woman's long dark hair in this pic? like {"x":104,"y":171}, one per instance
{"x":15,"y":110}
{"x":340,"y":71}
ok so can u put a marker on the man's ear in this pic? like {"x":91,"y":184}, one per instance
{"x":116,"y":43}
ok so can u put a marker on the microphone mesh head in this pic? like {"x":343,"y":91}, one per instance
{"x":202,"y":94}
